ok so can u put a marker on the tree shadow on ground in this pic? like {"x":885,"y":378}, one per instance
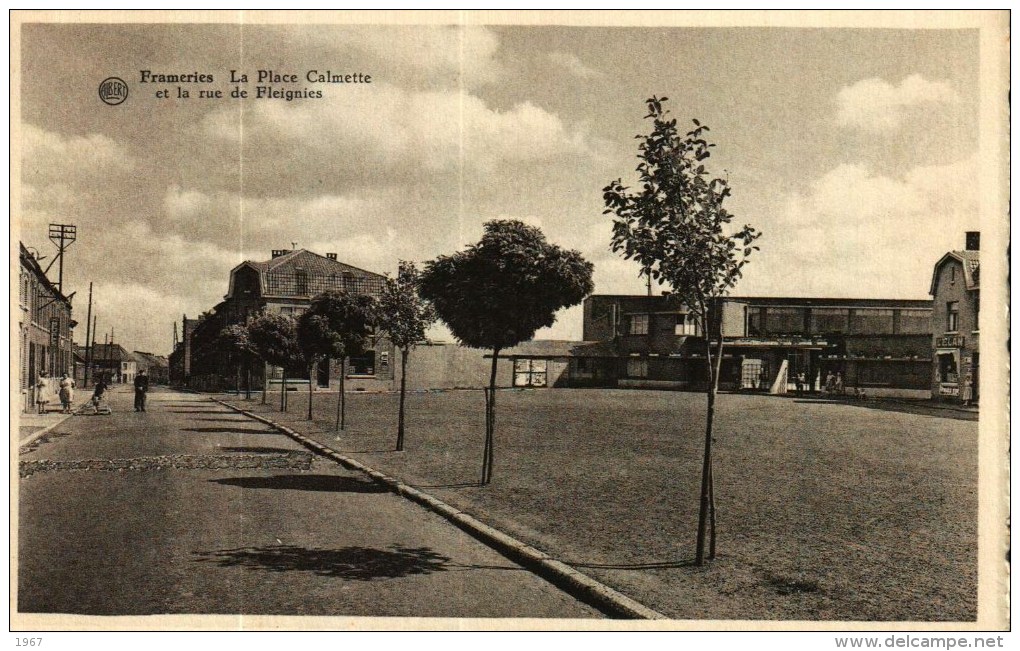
{"x":319,"y":483}
{"x":352,"y":563}
{"x":228,"y":430}
{"x":240,"y":419}
{"x":256,"y":449}
{"x":198,"y":411}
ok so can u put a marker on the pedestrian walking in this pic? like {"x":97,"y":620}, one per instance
{"x":42,"y":393}
{"x":141,"y":388}
{"x":799,"y":381}
{"x":830,"y":383}
{"x":66,"y":393}
{"x":839,"y":384}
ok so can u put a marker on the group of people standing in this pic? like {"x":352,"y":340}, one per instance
{"x":65,"y":386}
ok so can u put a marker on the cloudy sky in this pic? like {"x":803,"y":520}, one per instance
{"x":854,"y":151}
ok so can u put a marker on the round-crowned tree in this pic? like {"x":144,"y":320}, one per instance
{"x":498,"y":292}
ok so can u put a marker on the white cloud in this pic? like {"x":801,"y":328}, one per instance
{"x":52,"y":157}
{"x":876,"y":105}
{"x":856,"y":233}
{"x":390,"y":131}
{"x":573,"y":65}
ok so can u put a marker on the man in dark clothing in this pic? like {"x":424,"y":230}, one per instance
{"x":141,"y":388}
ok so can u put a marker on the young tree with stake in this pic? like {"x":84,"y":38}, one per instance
{"x":405,"y":316}
{"x":498,"y":292}
{"x":676,"y":228}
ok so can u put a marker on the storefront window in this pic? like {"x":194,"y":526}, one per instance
{"x":362,"y":364}
{"x":948,"y":370}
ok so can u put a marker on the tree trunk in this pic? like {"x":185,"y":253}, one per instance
{"x":237,"y":382}
{"x":707,"y":488}
{"x":283,"y":391}
{"x":403,"y":389}
{"x":311,"y":372}
{"x":265,"y":382}
{"x":489,"y":455}
{"x":340,"y":406}
{"x":247,"y":382}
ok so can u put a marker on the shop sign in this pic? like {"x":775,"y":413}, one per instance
{"x":949,"y":341}
{"x":949,"y":390}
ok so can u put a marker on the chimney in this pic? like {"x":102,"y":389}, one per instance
{"x":973,"y":240}
{"x":278,"y":252}
{"x":331,"y":256}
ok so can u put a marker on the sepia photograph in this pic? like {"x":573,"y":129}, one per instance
{"x":509,"y":320}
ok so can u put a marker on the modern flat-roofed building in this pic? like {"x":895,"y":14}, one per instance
{"x":879,"y":345}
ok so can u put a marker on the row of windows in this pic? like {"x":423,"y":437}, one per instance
{"x":301,"y":283}
{"x":680,"y":324}
{"x":837,"y":320}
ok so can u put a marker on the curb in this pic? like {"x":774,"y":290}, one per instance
{"x":575,"y":583}
{"x":34,"y":436}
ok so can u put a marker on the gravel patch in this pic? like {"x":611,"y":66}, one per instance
{"x":286,"y":461}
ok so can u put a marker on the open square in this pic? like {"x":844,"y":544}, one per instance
{"x":827,"y":510}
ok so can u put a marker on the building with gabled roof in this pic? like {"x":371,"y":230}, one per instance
{"x":956,"y":289}
{"x":285,"y":284}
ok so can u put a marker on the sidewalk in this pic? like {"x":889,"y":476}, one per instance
{"x":33,"y":424}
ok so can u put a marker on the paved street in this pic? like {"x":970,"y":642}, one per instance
{"x":192,"y":508}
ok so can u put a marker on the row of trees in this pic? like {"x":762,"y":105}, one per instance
{"x":493,"y":295}
{"x":337,"y":326}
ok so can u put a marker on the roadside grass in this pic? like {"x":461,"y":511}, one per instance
{"x":827,"y":511}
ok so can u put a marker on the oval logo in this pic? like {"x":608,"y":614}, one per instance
{"x":113,"y":91}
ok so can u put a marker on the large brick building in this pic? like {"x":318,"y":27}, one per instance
{"x":956,"y":289}
{"x":284,"y":284}
{"x":45,"y":327}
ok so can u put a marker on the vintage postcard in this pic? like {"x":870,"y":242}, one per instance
{"x":510,"y":320}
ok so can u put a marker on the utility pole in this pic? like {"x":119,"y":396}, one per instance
{"x":88,"y":332}
{"x":92,"y":348}
{"x":63,"y":235}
